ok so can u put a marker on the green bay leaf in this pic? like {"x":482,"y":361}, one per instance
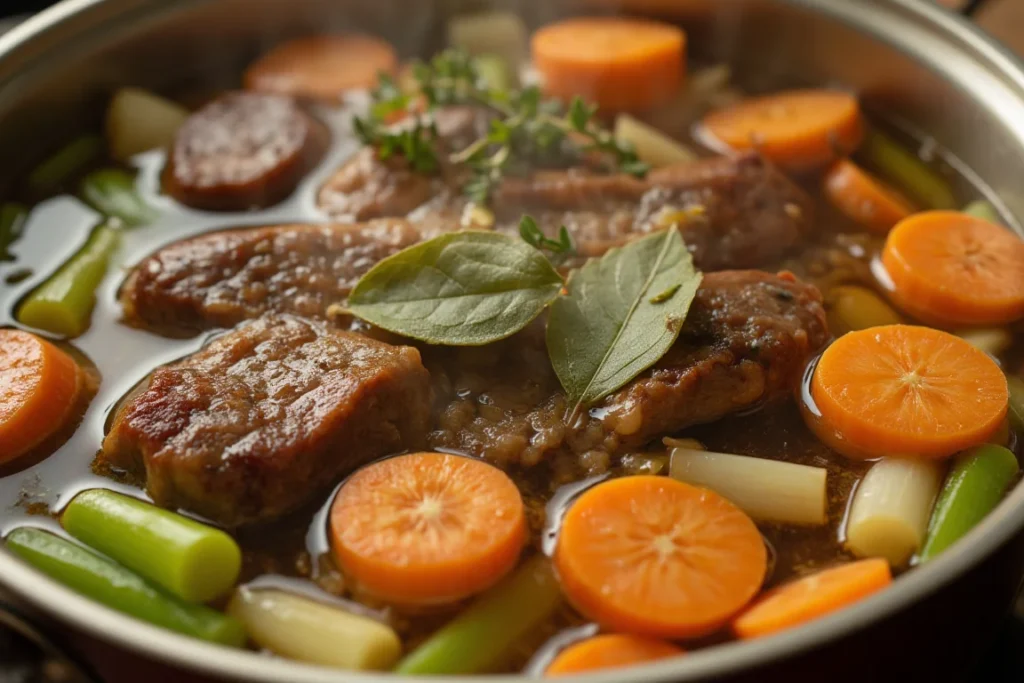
{"x":618,"y":318}
{"x":459,"y":289}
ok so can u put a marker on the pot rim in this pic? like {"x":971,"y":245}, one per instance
{"x":186,"y":653}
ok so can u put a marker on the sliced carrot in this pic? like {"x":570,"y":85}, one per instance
{"x":427,"y":527}
{"x":611,"y":651}
{"x":900,"y":390}
{"x":949,"y":268}
{"x":799,"y":130}
{"x":656,"y":557}
{"x":813,"y":596}
{"x":864,"y":198}
{"x":322,"y":67}
{"x":618,"y":64}
{"x":39,"y":386}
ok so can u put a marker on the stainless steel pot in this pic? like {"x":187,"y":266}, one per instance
{"x":913,"y":61}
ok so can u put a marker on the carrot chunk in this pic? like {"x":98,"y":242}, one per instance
{"x":900,"y":390}
{"x":427,"y":527}
{"x":799,"y":130}
{"x":322,"y":67}
{"x":611,"y":651}
{"x":949,"y":268}
{"x":812,"y":596}
{"x":656,"y":557}
{"x":864,"y":198}
{"x":39,"y":387}
{"x":618,"y":64}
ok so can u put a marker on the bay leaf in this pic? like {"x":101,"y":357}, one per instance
{"x":458,"y":289}
{"x":622,"y":313}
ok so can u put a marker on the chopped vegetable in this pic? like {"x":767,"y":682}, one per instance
{"x":799,"y":130}
{"x":428,"y":527}
{"x":501,"y":34}
{"x":191,"y":560}
{"x":619,"y":64}
{"x":12,"y":222}
{"x":984,"y":210}
{"x":851,"y":308}
{"x":494,"y":72}
{"x":768,"y":490}
{"x":63,"y":304}
{"x":865,"y":199}
{"x":114,"y":586}
{"x":111,"y":191}
{"x":309,"y":631}
{"x":62,"y":166}
{"x":973,"y":488}
{"x":1016,"y":386}
{"x":703,"y":88}
{"x":138,"y":121}
{"x":322,"y":67}
{"x":611,"y":651}
{"x":812,"y":597}
{"x":905,"y":390}
{"x":992,"y":340}
{"x":652,"y":146}
{"x":694,"y":558}
{"x":948,"y":268}
{"x":906,"y":170}
{"x":484,"y":634}
{"x":39,"y":387}
{"x":890,"y":509}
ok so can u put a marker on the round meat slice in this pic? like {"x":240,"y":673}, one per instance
{"x":243,"y":151}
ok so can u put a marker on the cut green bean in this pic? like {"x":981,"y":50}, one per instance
{"x":479,"y":639}
{"x":195,"y":562}
{"x":12,"y":220}
{"x":118,"y":588}
{"x":908,"y":172}
{"x":63,"y":165}
{"x":111,"y":191}
{"x":975,"y":485}
{"x":1016,"y":385}
{"x":984,"y":210}
{"x":63,"y":304}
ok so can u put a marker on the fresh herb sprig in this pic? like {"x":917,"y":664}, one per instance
{"x":527,"y":131}
{"x":557,"y":251}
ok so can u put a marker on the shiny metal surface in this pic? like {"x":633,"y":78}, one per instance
{"x":914,"y":61}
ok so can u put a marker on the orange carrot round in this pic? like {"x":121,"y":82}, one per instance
{"x":656,"y":557}
{"x":949,"y":268}
{"x":864,"y":198}
{"x":812,"y":596}
{"x":902,"y":390}
{"x":611,"y":651}
{"x":39,"y":386}
{"x":799,"y":130}
{"x":322,"y":67}
{"x":427,"y":527}
{"x":618,"y":64}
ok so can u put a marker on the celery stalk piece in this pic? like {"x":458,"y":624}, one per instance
{"x":68,"y":161}
{"x":111,"y":191}
{"x":114,"y":586}
{"x":975,"y":485}
{"x":984,"y":210}
{"x":195,"y":562}
{"x":12,"y":220}
{"x":63,"y":304}
{"x":477,"y":640}
{"x":908,"y":171}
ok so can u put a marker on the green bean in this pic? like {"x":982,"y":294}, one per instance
{"x":12,"y":220}
{"x":974,"y":486}
{"x":195,"y":562}
{"x":984,"y":210}
{"x":63,"y":304}
{"x":1016,"y":385}
{"x":111,"y":191}
{"x":908,"y":171}
{"x":114,"y":586}
{"x":59,"y":168}
{"x":477,"y":640}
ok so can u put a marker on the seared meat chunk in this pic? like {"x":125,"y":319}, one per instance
{"x":267,"y":416}
{"x":223,"y":278}
{"x":243,"y":150}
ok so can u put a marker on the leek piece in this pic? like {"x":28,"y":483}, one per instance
{"x":111,"y":191}
{"x":62,"y":166}
{"x":975,"y":485}
{"x":908,"y":171}
{"x":118,"y":588}
{"x":195,"y":562}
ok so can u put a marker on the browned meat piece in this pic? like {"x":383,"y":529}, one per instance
{"x":745,"y":342}
{"x":222,"y":278}
{"x":241,"y":151}
{"x":267,"y":416}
